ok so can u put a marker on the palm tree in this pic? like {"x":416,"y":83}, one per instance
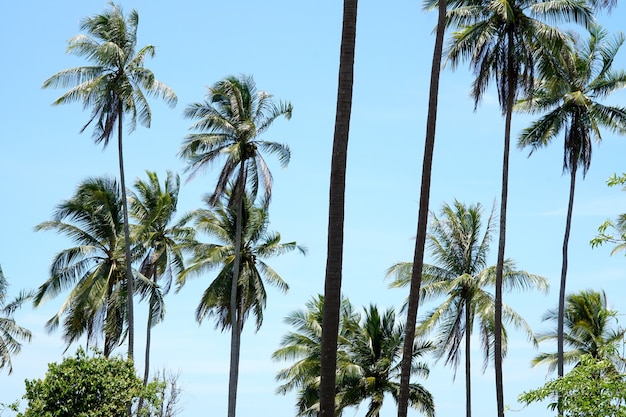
{"x":228,"y":124}
{"x":94,"y":269}
{"x":501,"y":39}
{"x":572,"y":83}
{"x":460,"y":247}
{"x":368,"y":360}
{"x":115,"y":85}
{"x":303,"y":345}
{"x":589,"y":331}
{"x":257,"y":244}
{"x":336,"y":208}
{"x":10,"y":332}
{"x":160,"y":244}
{"x":375,"y":353}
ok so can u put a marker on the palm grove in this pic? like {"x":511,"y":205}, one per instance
{"x":128,"y":243}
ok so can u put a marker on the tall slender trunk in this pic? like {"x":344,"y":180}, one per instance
{"x":510,"y":101}
{"x":235,"y":339}
{"x":129,"y":269}
{"x":334,"y":259}
{"x":146,"y":370}
{"x":107,"y":338}
{"x":561,"y":313}
{"x":422,"y":218}
{"x":468,"y":368}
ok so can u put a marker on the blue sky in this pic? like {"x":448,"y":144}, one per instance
{"x":292,"y":49}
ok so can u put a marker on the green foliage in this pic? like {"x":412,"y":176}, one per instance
{"x":257,"y":245}
{"x":591,"y":389}
{"x":11,"y":407}
{"x":10,"y":332}
{"x":94,"y":269}
{"x":303,"y":345}
{"x":573,"y":83}
{"x":369,"y":350}
{"x":116,"y":82}
{"x":459,"y":243}
{"x":164,"y":396}
{"x":83,"y":386}
{"x":591,"y":328}
{"x":615,"y":180}
{"x":613,"y":231}
{"x":228,"y":125}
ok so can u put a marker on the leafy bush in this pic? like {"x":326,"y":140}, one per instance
{"x":594,"y":388}
{"x":83,"y":386}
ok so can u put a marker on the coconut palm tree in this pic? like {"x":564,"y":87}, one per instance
{"x":11,"y":334}
{"x":502,"y":39}
{"x":375,"y":353}
{"x":573,"y":83}
{"x":94,"y":269}
{"x":223,"y":223}
{"x":459,"y":247}
{"x":228,"y":125}
{"x":159,"y":244}
{"x":303,"y":345}
{"x":336,"y":208}
{"x":115,"y":85}
{"x":590,"y":329}
{"x":368,"y":360}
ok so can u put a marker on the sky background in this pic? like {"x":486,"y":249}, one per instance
{"x":292,"y":50}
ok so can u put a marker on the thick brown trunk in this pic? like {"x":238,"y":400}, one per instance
{"x":334,"y":260}
{"x":129,"y":270}
{"x":422,"y":218}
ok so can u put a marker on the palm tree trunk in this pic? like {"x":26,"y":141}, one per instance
{"x":129,"y":270}
{"x":510,"y":101}
{"x":422,"y":219}
{"x":107,"y":338}
{"x":334,"y":259}
{"x":468,"y":378}
{"x":561,"y":313}
{"x":235,"y":340}
{"x":146,"y":370}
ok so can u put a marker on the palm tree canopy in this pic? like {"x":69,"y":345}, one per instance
{"x":117,"y":77}
{"x":375,"y":353}
{"x":228,"y":124}
{"x":159,"y":241}
{"x":459,"y":247}
{"x":572,"y":83}
{"x":369,"y":351}
{"x":94,"y":269}
{"x":10,"y":332}
{"x":589,"y":330}
{"x":502,"y":39}
{"x":485,"y":31}
{"x":303,"y":346}
{"x":257,"y":245}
